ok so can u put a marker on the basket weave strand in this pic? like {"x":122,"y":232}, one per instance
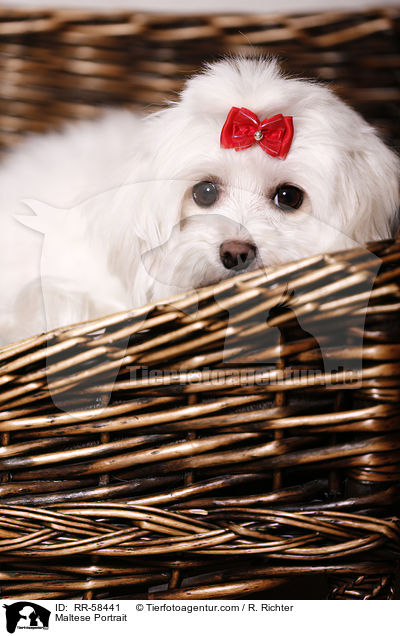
{"x":59,"y":532}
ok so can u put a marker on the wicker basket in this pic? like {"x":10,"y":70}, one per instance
{"x":229,"y":442}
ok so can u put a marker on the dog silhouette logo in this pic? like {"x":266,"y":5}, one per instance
{"x":26,"y":615}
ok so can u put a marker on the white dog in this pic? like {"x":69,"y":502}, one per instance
{"x":247,"y":169}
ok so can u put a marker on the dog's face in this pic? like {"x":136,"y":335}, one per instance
{"x":219,"y":211}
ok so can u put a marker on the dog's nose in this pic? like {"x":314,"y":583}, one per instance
{"x":237,"y":254}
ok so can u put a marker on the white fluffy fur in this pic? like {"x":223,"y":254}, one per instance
{"x":118,"y":226}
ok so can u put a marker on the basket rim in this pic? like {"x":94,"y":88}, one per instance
{"x":257,"y":276}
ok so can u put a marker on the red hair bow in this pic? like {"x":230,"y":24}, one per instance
{"x":242,"y":129}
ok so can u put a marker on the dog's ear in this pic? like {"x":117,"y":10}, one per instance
{"x":162,"y":208}
{"x":372,"y":181}
{"x":150,"y":205}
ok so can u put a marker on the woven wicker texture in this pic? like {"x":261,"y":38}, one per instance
{"x":148,"y":539}
{"x":58,"y":65}
{"x":213,"y":428}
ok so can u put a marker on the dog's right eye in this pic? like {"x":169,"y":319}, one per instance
{"x":205,"y":193}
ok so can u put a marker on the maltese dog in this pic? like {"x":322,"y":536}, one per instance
{"x":248,"y":169}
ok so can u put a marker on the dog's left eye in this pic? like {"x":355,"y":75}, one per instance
{"x":288,"y":197}
{"x":205,"y":193}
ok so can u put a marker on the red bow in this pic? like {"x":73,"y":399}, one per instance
{"x":242,"y":129}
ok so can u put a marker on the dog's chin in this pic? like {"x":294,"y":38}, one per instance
{"x":184,"y":277}
{"x":211,"y":280}
{"x":181,"y":281}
